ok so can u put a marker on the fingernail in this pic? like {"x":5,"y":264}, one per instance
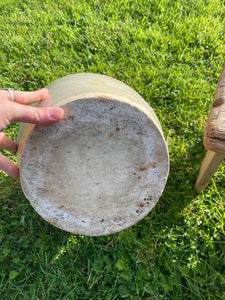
{"x":55,"y":113}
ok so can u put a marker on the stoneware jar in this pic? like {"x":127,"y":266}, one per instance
{"x":103,"y":167}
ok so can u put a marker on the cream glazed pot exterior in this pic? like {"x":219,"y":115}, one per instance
{"x":104,"y":166}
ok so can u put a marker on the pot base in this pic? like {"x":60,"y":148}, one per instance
{"x":99,"y":170}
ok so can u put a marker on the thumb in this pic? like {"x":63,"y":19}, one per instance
{"x":35,"y":115}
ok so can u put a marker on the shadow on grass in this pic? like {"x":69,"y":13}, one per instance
{"x":184,"y":169}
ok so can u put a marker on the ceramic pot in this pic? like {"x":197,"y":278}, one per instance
{"x":104,"y":166}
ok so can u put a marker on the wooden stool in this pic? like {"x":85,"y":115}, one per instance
{"x":214,"y":137}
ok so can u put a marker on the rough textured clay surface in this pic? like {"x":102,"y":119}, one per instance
{"x":99,"y":170}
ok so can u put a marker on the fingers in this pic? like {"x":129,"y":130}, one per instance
{"x":7,"y":144}
{"x":30,"y":97}
{"x":5,"y":164}
{"x":18,"y":111}
{"x":35,"y":115}
{"x":25,"y":97}
{"x":14,"y":112}
{"x":9,"y":167}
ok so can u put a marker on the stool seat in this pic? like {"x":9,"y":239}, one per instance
{"x":214,"y":137}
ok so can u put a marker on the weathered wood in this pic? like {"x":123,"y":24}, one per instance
{"x":210,"y":164}
{"x":214,"y":137}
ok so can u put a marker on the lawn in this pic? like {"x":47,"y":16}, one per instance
{"x":172,"y":53}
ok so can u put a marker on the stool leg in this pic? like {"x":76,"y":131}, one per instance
{"x":210,"y":164}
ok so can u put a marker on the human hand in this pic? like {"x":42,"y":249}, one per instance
{"x":19,"y":111}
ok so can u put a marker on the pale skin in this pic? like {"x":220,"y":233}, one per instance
{"x":19,"y":111}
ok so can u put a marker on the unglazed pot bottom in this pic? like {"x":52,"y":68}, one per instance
{"x":99,"y":170}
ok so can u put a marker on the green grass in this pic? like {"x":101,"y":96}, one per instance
{"x":172,"y":53}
